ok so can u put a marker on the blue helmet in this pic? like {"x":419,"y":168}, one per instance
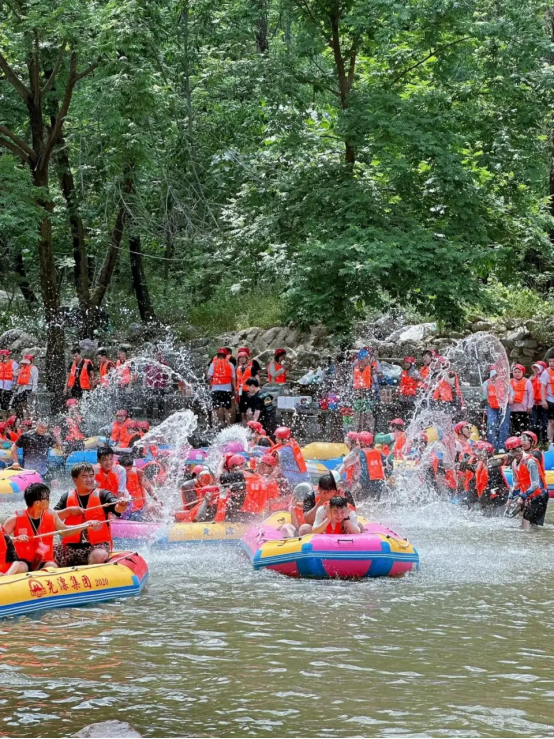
{"x":363,"y":353}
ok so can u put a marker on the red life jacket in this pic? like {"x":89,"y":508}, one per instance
{"x":443,"y":392}
{"x":408,"y":386}
{"x":135,"y":489}
{"x":243,"y":373}
{"x":84,"y":377}
{"x":92,"y":513}
{"x":363,"y":378}
{"x":481,"y":477}
{"x":7,"y":370}
{"x":522,"y":477}
{"x":124,"y":374}
{"x":424,"y":374}
{"x":334,"y":528}
{"x":74,"y":433}
{"x":125,"y":437}
{"x":299,"y":510}
{"x":34,"y":549}
{"x":24,"y":376}
{"x":536,"y":383}
{"x":492,"y":396}
{"x":399,"y":445}
{"x":374,"y":462}
{"x":107,"y":481}
{"x":280,"y":379}
{"x":116,"y":430}
{"x":255,"y":500}
{"x":296,"y":452}
{"x":518,"y":386}
{"x":104,"y":370}
{"x":4,"y":565}
{"x":223,"y":372}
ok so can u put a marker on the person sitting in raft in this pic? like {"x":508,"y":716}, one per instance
{"x":72,"y":424}
{"x":350,"y":467}
{"x":529,"y":489}
{"x":289,"y":454}
{"x":258,"y":433}
{"x":397,"y":427}
{"x":373,"y":468}
{"x":118,"y":431}
{"x":313,"y":503}
{"x":339,"y":518}
{"x":276,"y":484}
{"x":488,"y":489}
{"x":33,"y":529}
{"x":138,"y":487}
{"x":36,"y":446}
{"x":94,"y":504}
{"x":110,"y":476}
{"x":201,"y":477}
{"x":9,"y":561}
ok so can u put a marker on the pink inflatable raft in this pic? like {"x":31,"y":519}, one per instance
{"x":377,"y":552}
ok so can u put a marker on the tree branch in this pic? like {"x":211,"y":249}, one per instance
{"x":50,"y":81}
{"x":18,"y":142}
{"x":58,"y":125}
{"x":15,"y":150}
{"x":426,"y":59}
{"x":87,"y":71}
{"x":21,"y":89}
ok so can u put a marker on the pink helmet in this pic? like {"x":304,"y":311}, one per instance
{"x":235,"y":447}
{"x":366,"y":437}
{"x":282,"y":432}
{"x":237,"y":460}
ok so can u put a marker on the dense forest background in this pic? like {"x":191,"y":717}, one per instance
{"x":247,"y":162}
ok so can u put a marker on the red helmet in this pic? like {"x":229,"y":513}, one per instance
{"x":366,"y":437}
{"x":514,"y":442}
{"x":144,"y":425}
{"x":409,"y":360}
{"x":397,"y":422}
{"x":459,"y":426}
{"x":484,"y":446}
{"x":71,"y":402}
{"x":11,"y":421}
{"x":121,"y":412}
{"x":255,"y":426}
{"x":197,"y":469}
{"x":237,"y":460}
{"x":531,"y":435}
{"x":282,"y":432}
{"x":26,"y":422}
{"x":519,"y":367}
{"x":268,"y":459}
{"x":354,"y":435}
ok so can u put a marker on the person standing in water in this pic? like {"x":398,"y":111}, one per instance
{"x":547,"y":397}
{"x":539,"y":421}
{"x":498,"y":413}
{"x":528,"y":488}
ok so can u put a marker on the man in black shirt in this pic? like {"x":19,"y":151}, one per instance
{"x":92,"y":546}
{"x":261,"y":406}
{"x":36,"y":445}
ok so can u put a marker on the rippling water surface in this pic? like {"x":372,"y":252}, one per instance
{"x":465,"y":646}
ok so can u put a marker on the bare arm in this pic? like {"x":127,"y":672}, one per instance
{"x":13,"y":452}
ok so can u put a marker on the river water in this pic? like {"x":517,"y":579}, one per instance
{"x":464,"y":647}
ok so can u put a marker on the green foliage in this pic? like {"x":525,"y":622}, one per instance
{"x":520,"y":302}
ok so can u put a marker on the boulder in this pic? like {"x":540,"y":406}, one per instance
{"x":528,"y":352}
{"x":481,"y":326}
{"x":509,"y":323}
{"x":517,"y":334}
{"x":507,"y":343}
{"x":419,"y":332}
{"x":514,"y":354}
{"x":113,"y":729}
{"x":475,"y":318}
{"x":527,"y":344}
{"x":8,"y":338}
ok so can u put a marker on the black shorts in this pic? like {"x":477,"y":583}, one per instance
{"x":21,"y":399}
{"x":5,"y":399}
{"x":222,"y":399}
{"x":243,"y":402}
{"x":550,"y":411}
{"x":535,"y":510}
{"x":76,"y":555}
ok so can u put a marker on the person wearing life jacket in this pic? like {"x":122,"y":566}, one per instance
{"x":445,"y":386}
{"x":221,"y":375}
{"x":25,"y":386}
{"x":527,"y":487}
{"x":397,"y":427}
{"x":13,"y":429}
{"x":522,"y":400}
{"x":119,"y":427}
{"x":33,"y":529}
{"x":138,"y":487}
{"x":529,"y":444}
{"x":129,"y":435}
{"x":427,"y":358}
{"x":372,"y":468}
{"x":9,"y":562}
{"x":338,"y":519}
{"x":314,"y":506}
{"x":277,"y":487}
{"x":489,"y":489}
{"x":124,"y":369}
{"x":87,"y":503}
{"x":539,"y":421}
{"x":105,"y":366}
{"x":363,"y":394}
{"x":81,"y":375}
{"x":408,"y":386}
{"x":493,"y":395}
{"x":245,"y":370}
{"x":547,"y":395}
{"x":288,"y":452}
{"x":108,"y":475}
{"x":276,"y":370}
{"x":350,"y":467}
{"x":464,"y":455}
{"x":8,"y":373}
{"x":74,"y":436}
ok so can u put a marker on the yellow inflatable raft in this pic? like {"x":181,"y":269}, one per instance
{"x":324,"y":450}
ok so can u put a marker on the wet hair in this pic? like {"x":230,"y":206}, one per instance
{"x":122,"y":349}
{"x":81,"y":467}
{"x":252,"y":382}
{"x":76,"y":350}
{"x":126,"y":460}
{"x":105,"y":451}
{"x":338,"y":502}
{"x":327,"y":482}
{"x":427,"y":351}
{"x":264,"y":441}
{"x":102,"y":353}
{"x":34,"y":492}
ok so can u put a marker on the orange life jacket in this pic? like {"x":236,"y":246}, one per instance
{"x":363,"y":378}
{"x":450,"y":479}
{"x":13,"y":436}
{"x":522,"y":477}
{"x":92,"y":513}
{"x":481,"y":478}
{"x":124,"y":374}
{"x":116,"y":430}
{"x":125,"y":437}
{"x":273,"y":495}
{"x":244,"y":373}
{"x":518,"y":386}
{"x":374,"y":462}
{"x":299,"y":510}
{"x":443,"y":392}
{"x":223,"y":372}
{"x":104,"y":370}
{"x":296,"y":452}
{"x":107,"y":481}
{"x":408,"y":386}
{"x":4,"y":565}
{"x":255,"y":500}
{"x":29,"y":550}
{"x":24,"y":377}
{"x":135,"y":489}
{"x":492,"y":396}
{"x":399,"y":445}
{"x":280,"y":379}
{"x":7,"y":370}
{"x":536,"y":383}
{"x":424,"y":374}
{"x":334,"y":528}
{"x":74,"y":433}
{"x":84,"y":377}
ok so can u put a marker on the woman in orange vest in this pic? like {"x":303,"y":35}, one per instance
{"x":81,"y":376}
{"x":33,"y":529}
{"x":138,"y":488}
{"x":245,"y":369}
{"x":498,"y":411}
{"x":276,"y":370}
{"x":397,"y":427}
{"x":87,"y":504}
{"x":25,"y":386}
{"x":73,"y":433}
{"x":521,"y":401}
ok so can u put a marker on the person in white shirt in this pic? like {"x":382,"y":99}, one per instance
{"x":25,"y":386}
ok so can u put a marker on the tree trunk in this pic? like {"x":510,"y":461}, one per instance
{"x":262,"y":40}
{"x":24,"y":284}
{"x":139,"y":280}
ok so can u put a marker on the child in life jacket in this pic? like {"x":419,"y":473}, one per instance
{"x":336,"y":518}
{"x":373,"y":468}
{"x":315,"y":502}
{"x":138,"y":487}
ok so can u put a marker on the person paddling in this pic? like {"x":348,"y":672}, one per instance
{"x":93,"y":546}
